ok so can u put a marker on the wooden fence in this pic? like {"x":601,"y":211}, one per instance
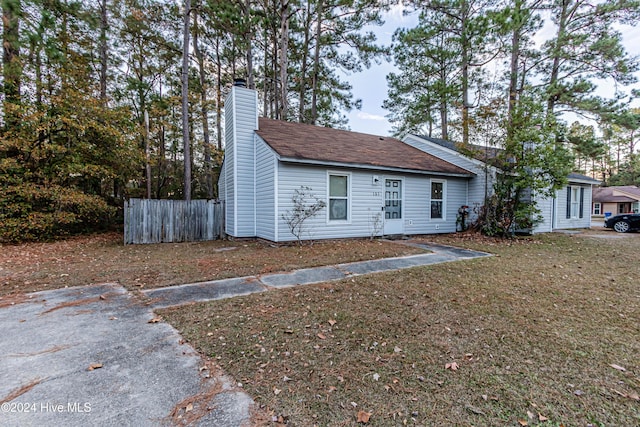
{"x":155,"y":221}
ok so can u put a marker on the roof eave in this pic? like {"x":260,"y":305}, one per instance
{"x":372,"y":167}
{"x":584,"y":181}
{"x":477,"y":162}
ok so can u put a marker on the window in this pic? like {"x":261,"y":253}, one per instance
{"x":338,"y":197}
{"x":437,"y":199}
{"x":393,"y":199}
{"x":597,"y":209}
{"x":575,"y":202}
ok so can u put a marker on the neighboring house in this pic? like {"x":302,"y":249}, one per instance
{"x":616,"y":200}
{"x":568,"y":209}
{"x":371,"y":185}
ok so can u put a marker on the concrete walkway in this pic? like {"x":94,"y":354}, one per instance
{"x":96,"y":355}
{"x":221,"y":289}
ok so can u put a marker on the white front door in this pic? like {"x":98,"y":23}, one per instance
{"x":393,"y":222}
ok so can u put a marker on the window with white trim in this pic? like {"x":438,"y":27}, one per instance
{"x":437,"y":199}
{"x":597,"y":209}
{"x":338,"y":197}
{"x":575,"y":202}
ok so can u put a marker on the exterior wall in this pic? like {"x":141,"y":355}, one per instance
{"x":229,"y":178}
{"x":241,"y":119}
{"x":418,"y":205}
{"x":562,"y":222}
{"x":365,"y":202}
{"x":545,"y":204}
{"x":614,"y":207}
{"x":265,"y":190}
{"x":478,"y":188}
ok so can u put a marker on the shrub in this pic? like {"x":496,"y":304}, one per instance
{"x":37,"y":213}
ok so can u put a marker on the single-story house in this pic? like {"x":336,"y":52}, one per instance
{"x":371,"y":185}
{"x":616,"y":200}
{"x":568,"y":209}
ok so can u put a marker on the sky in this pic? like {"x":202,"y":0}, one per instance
{"x":371,"y":85}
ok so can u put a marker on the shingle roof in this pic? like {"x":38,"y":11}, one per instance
{"x":605,"y":194}
{"x":295,"y":141}
{"x":574,"y":176}
{"x":478,"y":152}
{"x":490,"y":155}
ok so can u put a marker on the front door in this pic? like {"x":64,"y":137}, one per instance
{"x":393,"y":222}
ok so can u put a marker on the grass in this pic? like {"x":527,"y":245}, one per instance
{"x":103,"y":258}
{"x":533,"y":332}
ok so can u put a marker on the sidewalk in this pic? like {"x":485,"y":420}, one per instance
{"x":227,"y":288}
{"x":96,"y":355}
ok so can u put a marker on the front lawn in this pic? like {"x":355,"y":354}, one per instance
{"x":103,"y":258}
{"x":547,"y":332}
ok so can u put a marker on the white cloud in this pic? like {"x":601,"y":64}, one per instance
{"x":368,"y":116}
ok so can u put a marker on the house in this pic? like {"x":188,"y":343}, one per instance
{"x":568,"y":209}
{"x":371,"y":185}
{"x":615,"y":200}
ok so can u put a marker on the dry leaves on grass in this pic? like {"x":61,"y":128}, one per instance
{"x":453,"y":366}
{"x":103,"y":258}
{"x":363,"y":417}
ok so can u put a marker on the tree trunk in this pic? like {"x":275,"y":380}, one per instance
{"x":303,"y":66}
{"x":249,"y":39}
{"x":266,"y":91}
{"x":284,"y":56}
{"x":218,"y":94}
{"x":465,"y":64}
{"x":103,"y":50}
{"x":316,"y":64}
{"x":185,"y":101}
{"x":555,"y":68}
{"x":513,"y":68}
{"x":12,"y":68}
{"x":204,"y":110}
{"x":275,"y":107}
{"x":147,"y":153}
{"x":444,"y":118}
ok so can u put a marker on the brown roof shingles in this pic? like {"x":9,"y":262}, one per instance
{"x":606,"y":194}
{"x":314,"y":143}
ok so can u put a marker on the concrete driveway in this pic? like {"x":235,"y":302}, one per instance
{"x":90,"y":356}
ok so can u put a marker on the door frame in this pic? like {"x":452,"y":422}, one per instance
{"x":393,"y":226}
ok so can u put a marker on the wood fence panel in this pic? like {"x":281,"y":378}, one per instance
{"x":156,"y":221}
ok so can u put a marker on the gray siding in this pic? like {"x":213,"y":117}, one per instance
{"x":545,"y":204}
{"x":478,"y":187}
{"x":418,"y":205}
{"x":365,"y":203}
{"x":229,"y":170}
{"x":241,"y":119}
{"x":562,"y":221}
{"x":265,"y":191}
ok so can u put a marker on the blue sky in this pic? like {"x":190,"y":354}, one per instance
{"x":371,"y":85}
